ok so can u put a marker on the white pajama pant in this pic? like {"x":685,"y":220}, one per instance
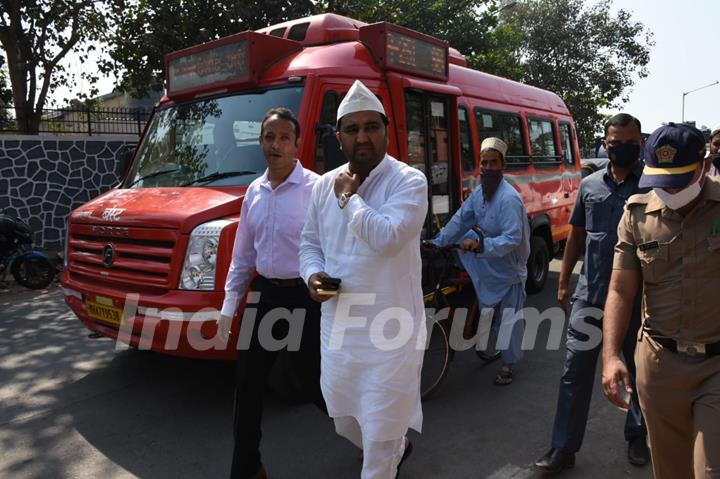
{"x":380,"y":458}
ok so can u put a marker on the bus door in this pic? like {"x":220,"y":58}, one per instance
{"x":328,"y":155}
{"x":327,"y":152}
{"x":429,"y":136}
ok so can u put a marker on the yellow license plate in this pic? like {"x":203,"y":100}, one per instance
{"x":104,"y":313}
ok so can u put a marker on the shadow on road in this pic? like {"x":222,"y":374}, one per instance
{"x":75,"y":407}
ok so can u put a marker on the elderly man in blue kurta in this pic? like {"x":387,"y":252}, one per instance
{"x":497,"y":261}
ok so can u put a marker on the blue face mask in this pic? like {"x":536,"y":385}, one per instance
{"x":624,"y":155}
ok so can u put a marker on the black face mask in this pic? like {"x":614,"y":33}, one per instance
{"x":716,"y":160}
{"x":490,"y":180}
{"x":624,"y":155}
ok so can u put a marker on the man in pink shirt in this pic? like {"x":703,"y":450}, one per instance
{"x":267,"y":241}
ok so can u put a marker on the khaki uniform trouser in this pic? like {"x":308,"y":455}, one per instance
{"x":680,"y":399}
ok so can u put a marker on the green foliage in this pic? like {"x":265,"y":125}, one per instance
{"x":36,"y":35}
{"x":146,"y":30}
{"x":471,"y":26}
{"x":585,"y":54}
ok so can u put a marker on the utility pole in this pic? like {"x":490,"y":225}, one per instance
{"x":693,"y":91}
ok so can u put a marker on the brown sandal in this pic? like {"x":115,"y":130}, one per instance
{"x":504,"y":377}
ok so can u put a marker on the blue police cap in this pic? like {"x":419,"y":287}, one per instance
{"x":672,"y":154}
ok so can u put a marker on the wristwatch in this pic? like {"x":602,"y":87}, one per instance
{"x":343,"y":199}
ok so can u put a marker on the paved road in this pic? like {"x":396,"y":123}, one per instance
{"x":75,"y":407}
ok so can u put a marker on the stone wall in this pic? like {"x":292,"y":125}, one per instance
{"x":43,"y":178}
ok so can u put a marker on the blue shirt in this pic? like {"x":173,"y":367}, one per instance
{"x":504,"y":223}
{"x":598,"y":208}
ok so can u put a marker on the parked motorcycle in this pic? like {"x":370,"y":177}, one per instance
{"x":30,"y":268}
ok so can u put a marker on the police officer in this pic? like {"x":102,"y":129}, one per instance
{"x":597,"y":212}
{"x":714,"y":145}
{"x":669,"y":243}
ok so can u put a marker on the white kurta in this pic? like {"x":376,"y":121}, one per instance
{"x":368,"y":371}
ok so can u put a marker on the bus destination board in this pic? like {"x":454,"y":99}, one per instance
{"x":209,"y":67}
{"x":413,"y":54}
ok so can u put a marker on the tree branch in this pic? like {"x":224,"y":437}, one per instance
{"x":50,"y":66}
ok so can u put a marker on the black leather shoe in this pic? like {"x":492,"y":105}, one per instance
{"x":555,"y":460}
{"x":638,"y":452}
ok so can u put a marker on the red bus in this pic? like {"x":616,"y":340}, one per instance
{"x":146,"y":261}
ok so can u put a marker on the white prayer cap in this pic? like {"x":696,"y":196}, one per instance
{"x":495,"y":144}
{"x":715,"y":131}
{"x":359,"y":98}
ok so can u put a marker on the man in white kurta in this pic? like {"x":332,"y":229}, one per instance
{"x":363,"y":226}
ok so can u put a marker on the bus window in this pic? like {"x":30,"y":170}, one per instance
{"x":566,"y":138}
{"x":415,"y":130}
{"x":467,"y":153}
{"x":429,"y":151}
{"x":542,"y":142}
{"x":297,"y":32}
{"x":507,"y":127}
{"x":328,"y":155}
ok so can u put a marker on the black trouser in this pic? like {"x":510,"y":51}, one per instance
{"x":254,"y":364}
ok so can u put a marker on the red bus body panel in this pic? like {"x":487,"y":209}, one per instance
{"x":155,"y":223}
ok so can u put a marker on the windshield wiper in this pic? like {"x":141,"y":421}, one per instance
{"x":153,"y":175}
{"x":218,"y":176}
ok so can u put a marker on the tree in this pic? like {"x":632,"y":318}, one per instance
{"x":584,"y":54}
{"x":471,"y":26}
{"x":146,"y":30}
{"x":5,"y":97}
{"x":36,"y":36}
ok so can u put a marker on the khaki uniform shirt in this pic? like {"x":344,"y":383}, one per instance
{"x":680,"y":262}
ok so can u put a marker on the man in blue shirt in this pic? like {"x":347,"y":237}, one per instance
{"x":497,"y":261}
{"x":598,"y":209}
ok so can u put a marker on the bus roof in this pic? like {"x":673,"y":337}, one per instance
{"x":338,"y":36}
{"x":331,"y":48}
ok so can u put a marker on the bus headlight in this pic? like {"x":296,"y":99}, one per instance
{"x":201,"y":256}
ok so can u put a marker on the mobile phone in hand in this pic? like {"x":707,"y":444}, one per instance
{"x":326,"y":292}
{"x":329,"y":286}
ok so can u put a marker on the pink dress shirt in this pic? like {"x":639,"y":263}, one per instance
{"x":268,"y":234}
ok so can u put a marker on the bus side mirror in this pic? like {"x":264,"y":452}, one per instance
{"x":332,"y":154}
{"x":123,"y":159}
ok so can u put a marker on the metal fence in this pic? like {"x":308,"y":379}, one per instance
{"x":81,"y":121}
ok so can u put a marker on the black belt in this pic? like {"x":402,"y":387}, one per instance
{"x":691,"y":349}
{"x":285,"y":283}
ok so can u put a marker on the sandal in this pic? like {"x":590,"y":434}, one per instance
{"x":504,"y":377}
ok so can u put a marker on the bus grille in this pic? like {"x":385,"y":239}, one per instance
{"x":139,"y":256}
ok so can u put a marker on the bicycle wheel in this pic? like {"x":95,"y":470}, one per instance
{"x":485,"y":350}
{"x":435,"y":360}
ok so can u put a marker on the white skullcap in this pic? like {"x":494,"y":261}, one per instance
{"x":495,"y":144}
{"x":715,"y":131}
{"x":359,"y":98}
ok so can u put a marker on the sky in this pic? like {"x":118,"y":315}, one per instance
{"x":685,"y":57}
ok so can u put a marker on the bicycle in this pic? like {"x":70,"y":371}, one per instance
{"x":449,"y":288}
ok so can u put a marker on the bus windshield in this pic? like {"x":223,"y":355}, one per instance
{"x":208,"y":142}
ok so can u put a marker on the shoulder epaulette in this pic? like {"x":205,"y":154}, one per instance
{"x":639,"y":199}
